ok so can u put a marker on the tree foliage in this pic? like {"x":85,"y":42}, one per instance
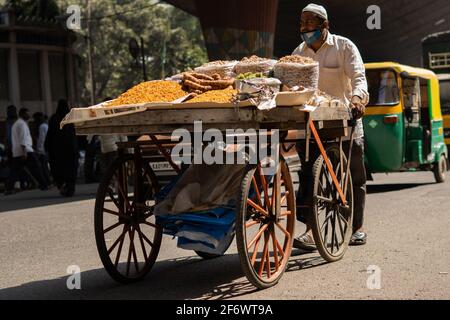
{"x":173,"y":42}
{"x":45,"y":9}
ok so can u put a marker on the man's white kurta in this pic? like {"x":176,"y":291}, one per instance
{"x":21,"y":138}
{"x":342,"y":72}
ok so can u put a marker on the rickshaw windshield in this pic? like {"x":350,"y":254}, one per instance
{"x":445,"y":96}
{"x":383,"y":87}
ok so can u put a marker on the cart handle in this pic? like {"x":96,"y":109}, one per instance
{"x":327,"y":162}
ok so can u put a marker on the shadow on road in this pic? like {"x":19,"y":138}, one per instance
{"x":178,"y":279}
{"x":36,"y":198}
{"x":381,"y":188}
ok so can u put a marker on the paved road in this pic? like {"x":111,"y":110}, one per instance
{"x":408,"y":221}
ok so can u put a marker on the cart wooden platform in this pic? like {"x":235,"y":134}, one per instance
{"x":127,"y":235}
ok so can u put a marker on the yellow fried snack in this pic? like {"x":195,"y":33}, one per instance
{"x":218,"y":96}
{"x":151,"y":91}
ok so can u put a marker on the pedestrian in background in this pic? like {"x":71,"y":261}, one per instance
{"x":23,"y":153}
{"x":11,"y":117}
{"x":40,"y":134}
{"x":61,"y":145}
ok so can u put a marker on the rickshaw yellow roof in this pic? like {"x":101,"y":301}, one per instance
{"x":419,"y":72}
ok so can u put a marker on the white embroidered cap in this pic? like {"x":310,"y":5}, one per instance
{"x":317,"y":9}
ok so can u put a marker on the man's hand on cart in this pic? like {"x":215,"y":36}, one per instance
{"x":358,"y":108}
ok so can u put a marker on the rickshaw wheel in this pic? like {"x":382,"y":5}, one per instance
{"x":266,"y":220}
{"x":128,"y":239}
{"x":439,"y":169}
{"x":331,"y":222}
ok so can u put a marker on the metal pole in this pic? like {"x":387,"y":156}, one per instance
{"x":144,"y":69}
{"x":90,"y":53}
{"x":163,"y":60}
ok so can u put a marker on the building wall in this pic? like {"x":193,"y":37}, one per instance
{"x":37,"y":77}
{"x":36,"y":68}
{"x":237,"y":28}
{"x":403,"y":24}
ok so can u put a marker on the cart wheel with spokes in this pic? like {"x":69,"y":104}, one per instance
{"x":331,"y":220}
{"x":128,"y":239}
{"x":265,"y":225}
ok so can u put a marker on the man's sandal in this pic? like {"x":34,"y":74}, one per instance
{"x":305,"y":242}
{"x":358,"y":239}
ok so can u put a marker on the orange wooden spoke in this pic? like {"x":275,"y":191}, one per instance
{"x":150,"y":224}
{"x":261,"y":265}
{"x":258,"y":193}
{"x":343,"y":220}
{"x":258,"y":235}
{"x":321,"y":187}
{"x":251,"y":224}
{"x":136,"y":264}
{"x":285,"y":213}
{"x":327,"y":162}
{"x":337,"y":242}
{"x":275,"y":251}
{"x":112,"y":227}
{"x":280,"y":249}
{"x":119,"y":251}
{"x":255,"y":251}
{"x":274,"y":194}
{"x":340,"y":225}
{"x":125,"y":197}
{"x":327,"y":177}
{"x":287,"y":234}
{"x":323,"y":199}
{"x":265,"y":252}
{"x":113,"y":199}
{"x":149,"y":189}
{"x":129,"y":252}
{"x":333,"y":234}
{"x":115,"y":213}
{"x":256,"y":207}
{"x":268,"y":264}
{"x":125,"y":180}
{"x":284,"y":198}
{"x":325,"y":224}
{"x":145,"y":237}
{"x":117,"y":241}
{"x":144,"y":252}
{"x":264,"y":184}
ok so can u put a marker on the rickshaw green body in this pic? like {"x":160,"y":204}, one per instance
{"x":403,"y":123}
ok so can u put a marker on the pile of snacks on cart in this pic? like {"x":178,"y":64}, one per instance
{"x":253,"y":79}
{"x":200,"y":83}
{"x":298,"y":71}
{"x":151,"y":91}
{"x":216,"y":96}
{"x":255,"y":64}
{"x":224,"y":68}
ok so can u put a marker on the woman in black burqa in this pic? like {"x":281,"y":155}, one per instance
{"x":61,"y":145}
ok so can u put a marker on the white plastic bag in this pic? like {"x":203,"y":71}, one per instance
{"x":223,"y":68}
{"x":296,"y":74}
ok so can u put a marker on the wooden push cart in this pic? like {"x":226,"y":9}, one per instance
{"x":128,"y":238}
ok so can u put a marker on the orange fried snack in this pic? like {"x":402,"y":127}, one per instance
{"x":217,"y":96}
{"x":151,"y":91}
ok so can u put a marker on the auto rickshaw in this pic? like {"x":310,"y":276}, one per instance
{"x":403,"y":124}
